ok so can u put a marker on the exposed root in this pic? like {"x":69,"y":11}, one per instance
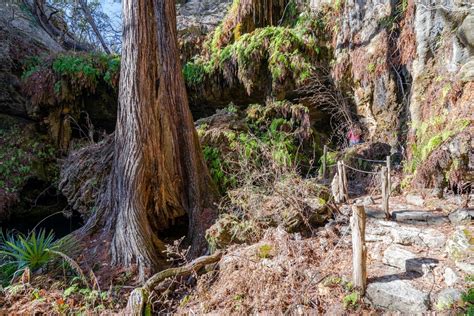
{"x":139,"y":297}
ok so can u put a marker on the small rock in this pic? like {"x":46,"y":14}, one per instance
{"x":460,"y":245}
{"x":465,"y":267}
{"x":368,"y":201}
{"x":447,"y":298}
{"x":460,"y":216}
{"x":416,"y":200}
{"x":450,"y":277}
{"x":397,"y":295}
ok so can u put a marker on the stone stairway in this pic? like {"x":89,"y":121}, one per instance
{"x":420,"y":260}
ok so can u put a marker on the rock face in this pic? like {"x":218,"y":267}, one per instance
{"x":388,"y":57}
{"x":201,"y":14}
{"x":195,"y":20}
{"x":399,"y":296}
{"x":19,"y":39}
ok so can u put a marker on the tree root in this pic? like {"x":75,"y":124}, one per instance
{"x":138,"y":298}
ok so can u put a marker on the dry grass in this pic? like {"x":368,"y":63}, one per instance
{"x":282,"y":273}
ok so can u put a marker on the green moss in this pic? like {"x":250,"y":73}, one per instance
{"x":69,"y":75}
{"x":194,"y":73}
{"x":287,"y":52}
{"x":371,"y":67}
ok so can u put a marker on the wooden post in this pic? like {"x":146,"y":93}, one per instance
{"x":385,"y":192}
{"x":359,"y":251}
{"x":325,"y":157}
{"x":344,"y":183}
{"x":389,"y":177}
{"x":340,"y":175}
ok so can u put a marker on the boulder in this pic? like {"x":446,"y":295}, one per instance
{"x":398,"y":296}
{"x":466,"y":73}
{"x":229,"y":229}
{"x":465,"y":32}
{"x":407,"y":261}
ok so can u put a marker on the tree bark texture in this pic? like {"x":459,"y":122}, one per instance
{"x":158,"y":172}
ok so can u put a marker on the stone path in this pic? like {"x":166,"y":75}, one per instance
{"x":420,"y":259}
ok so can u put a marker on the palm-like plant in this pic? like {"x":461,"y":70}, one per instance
{"x":32,"y":251}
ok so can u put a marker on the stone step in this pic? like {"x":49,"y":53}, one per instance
{"x":407,"y":261}
{"x":419,"y":217}
{"x":397,"y":295}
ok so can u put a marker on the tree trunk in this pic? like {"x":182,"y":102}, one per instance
{"x":158,"y":172}
{"x":91,"y":21}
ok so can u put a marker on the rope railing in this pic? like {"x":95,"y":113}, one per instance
{"x":368,"y":160}
{"x":339,"y":185}
{"x":358,"y":170}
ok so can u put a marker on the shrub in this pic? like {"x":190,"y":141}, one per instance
{"x":350,"y":300}
{"x":31,"y":251}
{"x":65,"y":76}
{"x":22,"y":157}
{"x":430,"y":135}
{"x":276,"y":136}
